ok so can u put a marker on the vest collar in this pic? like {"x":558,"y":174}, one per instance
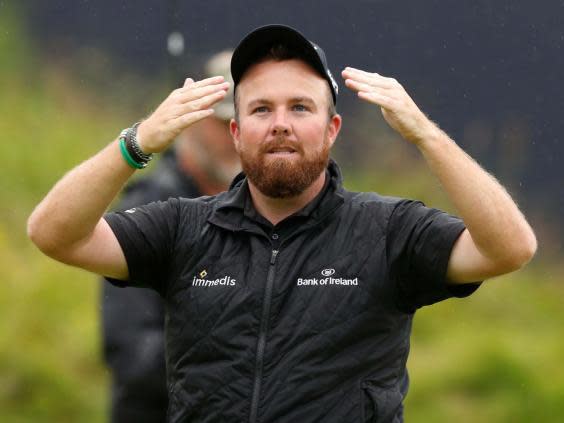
{"x":229,"y":211}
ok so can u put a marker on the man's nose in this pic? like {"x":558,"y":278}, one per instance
{"x":281,"y":125}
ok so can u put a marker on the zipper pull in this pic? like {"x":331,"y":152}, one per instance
{"x":273,"y":256}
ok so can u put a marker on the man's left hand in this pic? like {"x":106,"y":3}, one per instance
{"x":399,"y":110}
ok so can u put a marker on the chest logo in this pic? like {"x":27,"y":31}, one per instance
{"x":328,"y":272}
{"x":201,"y":280}
{"x":326,"y":278}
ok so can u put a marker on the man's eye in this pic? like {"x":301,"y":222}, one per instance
{"x":260,"y":109}
{"x":300,"y":108}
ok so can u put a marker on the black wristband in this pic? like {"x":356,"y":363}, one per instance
{"x":133,"y":147}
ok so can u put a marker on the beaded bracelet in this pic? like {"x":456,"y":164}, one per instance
{"x":133,"y":147}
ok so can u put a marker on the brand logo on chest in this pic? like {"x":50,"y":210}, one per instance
{"x":326,"y":278}
{"x":201,"y":280}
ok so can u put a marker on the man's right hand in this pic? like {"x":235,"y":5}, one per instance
{"x":68,"y":225}
{"x":183,"y":107}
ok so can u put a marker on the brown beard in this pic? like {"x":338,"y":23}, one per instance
{"x":284,"y":178}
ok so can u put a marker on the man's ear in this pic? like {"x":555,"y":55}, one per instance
{"x":334,"y":127}
{"x":235,"y":134}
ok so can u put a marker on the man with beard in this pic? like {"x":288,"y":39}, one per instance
{"x":246,"y":341}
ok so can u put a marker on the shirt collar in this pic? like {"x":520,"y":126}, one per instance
{"x":235,"y":209}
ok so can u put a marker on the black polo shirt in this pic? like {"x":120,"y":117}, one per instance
{"x":311,"y":326}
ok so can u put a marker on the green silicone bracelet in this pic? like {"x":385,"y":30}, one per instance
{"x":127,"y":156}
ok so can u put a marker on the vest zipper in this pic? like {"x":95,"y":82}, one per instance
{"x":262,"y":337}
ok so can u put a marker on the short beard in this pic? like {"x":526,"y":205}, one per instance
{"x":284,"y":178}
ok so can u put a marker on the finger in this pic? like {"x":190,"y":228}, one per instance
{"x":201,"y":103}
{"x":184,"y":121}
{"x":356,"y":71}
{"x":377,"y":98}
{"x":373,"y":79}
{"x":188,"y":82}
{"x":204,"y":82}
{"x":360,"y":86}
{"x":196,"y":93}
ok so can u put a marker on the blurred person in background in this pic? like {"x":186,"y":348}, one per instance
{"x":202,"y":162}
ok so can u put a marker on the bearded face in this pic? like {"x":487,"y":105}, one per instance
{"x":284,"y":132}
{"x":284,"y":177}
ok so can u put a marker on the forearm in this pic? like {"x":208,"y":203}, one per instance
{"x":499,"y":239}
{"x":497,"y":227}
{"x":70,"y":211}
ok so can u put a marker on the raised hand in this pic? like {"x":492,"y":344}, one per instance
{"x":399,"y":110}
{"x":183,"y":107}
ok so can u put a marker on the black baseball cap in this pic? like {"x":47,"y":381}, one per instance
{"x":257,"y":44}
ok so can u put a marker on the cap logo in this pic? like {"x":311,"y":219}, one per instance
{"x":333,"y":82}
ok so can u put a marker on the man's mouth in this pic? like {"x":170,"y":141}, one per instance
{"x":281,"y":150}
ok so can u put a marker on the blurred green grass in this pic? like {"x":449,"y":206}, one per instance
{"x":495,"y":357}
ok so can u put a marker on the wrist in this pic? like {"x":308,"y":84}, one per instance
{"x":143,"y":135}
{"x":130,"y":149}
{"x":429,"y":134}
